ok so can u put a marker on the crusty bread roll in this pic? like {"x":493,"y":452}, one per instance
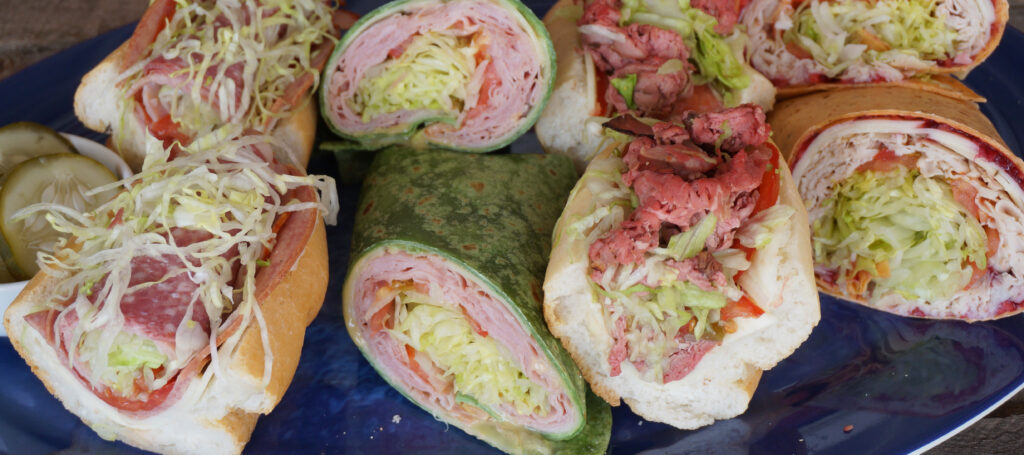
{"x":563,"y":127}
{"x":98,"y":105}
{"x":216,"y":412}
{"x":780,"y":280}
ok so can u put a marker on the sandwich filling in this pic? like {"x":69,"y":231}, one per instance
{"x":812,"y":41}
{"x":221,"y":68}
{"x":464,"y":73}
{"x":913,"y":218}
{"x":662,"y":57}
{"x":154,"y":285}
{"x":455,"y":349}
{"x":677,"y":222}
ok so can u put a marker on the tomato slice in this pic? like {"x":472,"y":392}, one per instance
{"x":742,"y":308}
{"x":769,"y":188}
{"x":153,"y":399}
{"x":601,"y":108}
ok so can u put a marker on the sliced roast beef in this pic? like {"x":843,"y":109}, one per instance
{"x":730,"y":129}
{"x":677,"y":183}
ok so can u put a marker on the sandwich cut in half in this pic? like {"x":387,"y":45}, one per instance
{"x":172,"y":316}
{"x":466,"y":75}
{"x":811,"y":45}
{"x":210,"y":71}
{"x":649,"y":58}
{"x":681,"y":266}
{"x":914,"y":201}
{"x":443,"y":296}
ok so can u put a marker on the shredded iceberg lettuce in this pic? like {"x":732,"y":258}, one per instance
{"x":481,"y":371}
{"x":837,"y":34}
{"x":714,"y":58}
{"x":903,"y":231}
{"x":431,"y":73}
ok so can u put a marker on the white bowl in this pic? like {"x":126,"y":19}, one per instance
{"x":91,"y":149}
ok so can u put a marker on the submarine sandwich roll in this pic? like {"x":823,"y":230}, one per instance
{"x":914,"y":201}
{"x":172,"y":316}
{"x":211,"y":71}
{"x":649,"y":58}
{"x":466,"y":75}
{"x":807,"y":45}
{"x":681,"y":267}
{"x":443,"y":296}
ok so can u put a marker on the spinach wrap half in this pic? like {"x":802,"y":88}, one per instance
{"x":443,"y":296}
{"x":466,"y":75}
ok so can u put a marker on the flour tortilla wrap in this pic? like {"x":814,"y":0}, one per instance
{"x":828,"y":136}
{"x":467,"y":75}
{"x":442,"y":236}
{"x":871,"y":51}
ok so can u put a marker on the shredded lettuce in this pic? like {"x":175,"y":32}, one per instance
{"x":432,"y":74}
{"x":481,"y":371}
{"x":840,"y":33}
{"x":716,"y":62}
{"x":625,"y":86}
{"x":687,"y":244}
{"x":904,"y":230}
{"x":758,"y":231}
{"x":128,"y":359}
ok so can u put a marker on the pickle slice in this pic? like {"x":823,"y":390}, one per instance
{"x":22,"y":141}
{"x":62,"y":178}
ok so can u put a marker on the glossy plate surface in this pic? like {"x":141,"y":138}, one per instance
{"x":899,"y":385}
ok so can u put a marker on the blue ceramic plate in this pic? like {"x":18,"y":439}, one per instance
{"x":899,"y":385}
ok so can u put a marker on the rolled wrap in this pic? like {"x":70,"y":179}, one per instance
{"x":874,"y":46}
{"x":473,"y":234}
{"x":467,"y":75}
{"x":827,"y":137}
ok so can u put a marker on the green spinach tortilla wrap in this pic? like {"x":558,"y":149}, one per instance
{"x":467,"y":75}
{"x":443,"y":296}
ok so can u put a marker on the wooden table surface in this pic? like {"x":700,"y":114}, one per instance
{"x":33,"y":30}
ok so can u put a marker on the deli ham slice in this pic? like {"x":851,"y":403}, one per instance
{"x":447,"y":308}
{"x":503,"y":95}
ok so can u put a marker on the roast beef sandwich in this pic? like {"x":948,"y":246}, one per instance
{"x":681,"y":266}
{"x":649,"y":58}
{"x":914,"y":201}
{"x":172,"y":316}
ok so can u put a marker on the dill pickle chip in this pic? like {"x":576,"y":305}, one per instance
{"x":62,"y":178}
{"x":22,"y":141}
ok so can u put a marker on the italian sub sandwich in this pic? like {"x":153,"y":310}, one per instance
{"x":467,"y":75}
{"x":913,"y":199}
{"x":809,"y":45}
{"x":443,"y":296}
{"x":681,"y":267}
{"x":649,"y":58}
{"x":210,"y":71}
{"x":172,"y":316}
